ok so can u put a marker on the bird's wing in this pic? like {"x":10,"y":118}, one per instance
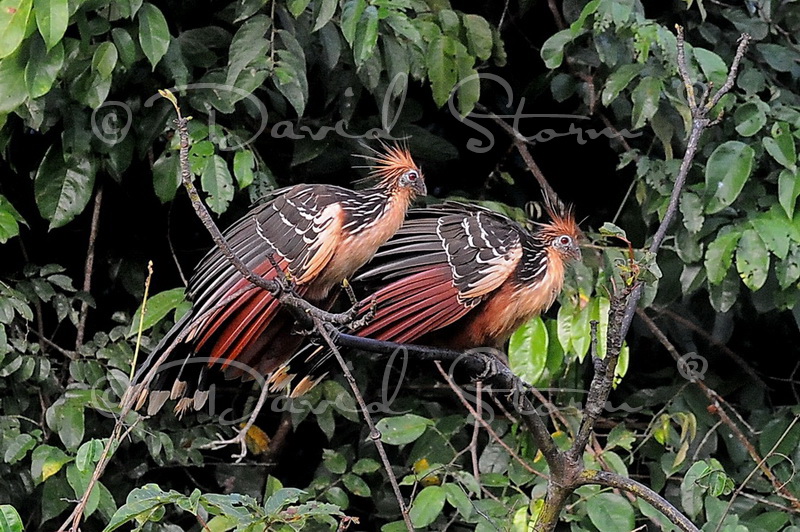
{"x":300,"y":229}
{"x":438,"y":268}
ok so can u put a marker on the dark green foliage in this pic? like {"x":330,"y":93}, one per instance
{"x":282,"y":92}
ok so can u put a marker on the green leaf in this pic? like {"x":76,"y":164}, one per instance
{"x":199,"y":154}
{"x":620,"y":436}
{"x":781,"y":145}
{"x":712,"y":65}
{"x":88,"y":454}
{"x":581,"y":331}
{"x":54,"y":498}
{"x":105,"y":59}
{"x":243,"y":163}
{"x":727,"y":171}
{"x":479,"y":36}
{"x":42,"y":68}
{"x":356,"y":485}
{"x":788,"y":191}
{"x":125,"y":46}
{"x":71,"y":424}
{"x":248,"y":45}
{"x":9,"y":227}
{"x":10,"y":520}
{"x":13,"y":23}
{"x":18,"y":447}
{"x":618,"y":80}
{"x":692,"y":210}
{"x":366,"y":36}
{"x":46,"y":461}
{"x":157,"y":307}
{"x":752,"y":260}
{"x":723,"y":295}
{"x":458,"y":499}
{"x":296,"y":7}
{"x":334,"y":462}
{"x":577,"y":27}
{"x":153,"y":33}
{"x":427,"y":506}
{"x":610,"y":512}
{"x":553,"y":48}
{"x":777,"y":56}
{"x":692,"y":490}
{"x":281,"y":498}
{"x":774,"y":228}
{"x":166,"y":176}
{"x":63,"y":188}
{"x":469,"y":87}
{"x":442,"y":68}
{"x":365,"y":465}
{"x":645,"y":98}
{"x":788,"y":270}
{"x":79,"y":481}
{"x":52,"y":19}
{"x":337,"y":496}
{"x":719,"y":256}
{"x":13,"y":90}
{"x":527,"y":351}
{"x":290,"y":72}
{"x":90,"y":88}
{"x":750,"y":118}
{"x":351,"y":15}
{"x":323,"y":11}
{"x":216,"y":180}
{"x":402,"y":429}
{"x":403,"y":27}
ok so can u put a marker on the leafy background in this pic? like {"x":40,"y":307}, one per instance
{"x":83,"y":133}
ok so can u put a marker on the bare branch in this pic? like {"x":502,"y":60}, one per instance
{"x":613,"y":480}
{"x":89,"y":267}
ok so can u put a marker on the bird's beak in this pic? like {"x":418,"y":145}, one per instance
{"x":575,"y":253}
{"x":420,"y":188}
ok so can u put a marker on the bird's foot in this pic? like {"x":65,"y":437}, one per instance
{"x":240,"y":438}
{"x":358,"y":322}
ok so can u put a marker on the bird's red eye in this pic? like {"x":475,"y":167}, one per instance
{"x":564,"y":240}
{"x":412,"y":175}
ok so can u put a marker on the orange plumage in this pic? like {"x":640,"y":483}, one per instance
{"x":318,"y":235}
{"x":458,"y":276}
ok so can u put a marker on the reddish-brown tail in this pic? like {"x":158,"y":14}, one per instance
{"x":414,"y":306}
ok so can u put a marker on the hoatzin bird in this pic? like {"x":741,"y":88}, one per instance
{"x":455,"y":276}
{"x":318,"y":235}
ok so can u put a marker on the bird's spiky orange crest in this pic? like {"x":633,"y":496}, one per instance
{"x":389,"y":164}
{"x":561,"y":222}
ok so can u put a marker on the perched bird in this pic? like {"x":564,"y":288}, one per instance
{"x":456,"y":276}
{"x":318,"y":235}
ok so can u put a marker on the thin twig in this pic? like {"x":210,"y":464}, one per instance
{"x":714,"y":399}
{"x":475,"y":413}
{"x":613,"y":480}
{"x":374,"y":434}
{"x":476,"y":430}
{"x":117,"y":435}
{"x":690,"y":324}
{"x":89,"y":267}
{"x":481,"y":366}
{"x":753,"y":472}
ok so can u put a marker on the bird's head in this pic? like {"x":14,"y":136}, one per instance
{"x":562,"y":234}
{"x":395,"y":170}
